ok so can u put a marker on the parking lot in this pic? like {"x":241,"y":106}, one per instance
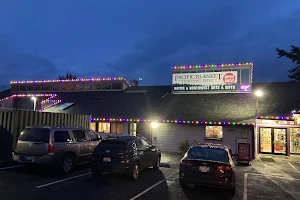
{"x":261,"y":180}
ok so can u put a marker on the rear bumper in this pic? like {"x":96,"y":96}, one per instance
{"x":222,"y":182}
{"x":46,"y":159}
{"x":115,"y":168}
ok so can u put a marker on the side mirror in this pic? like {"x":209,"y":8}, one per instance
{"x":152,"y":146}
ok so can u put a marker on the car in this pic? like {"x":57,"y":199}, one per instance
{"x":208,"y":165}
{"x":124,"y":155}
{"x":59,"y":146}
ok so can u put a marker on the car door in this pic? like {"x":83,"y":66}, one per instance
{"x":93,"y":139}
{"x":82,"y":143}
{"x":141,"y":152}
{"x":149,"y":152}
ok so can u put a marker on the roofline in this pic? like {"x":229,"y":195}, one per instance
{"x":71,"y":80}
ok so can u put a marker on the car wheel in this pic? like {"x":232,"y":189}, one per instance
{"x":135,"y":172}
{"x":157,"y":163}
{"x":68,"y":163}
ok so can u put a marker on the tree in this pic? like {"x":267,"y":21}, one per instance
{"x":293,"y":55}
{"x":67,"y":77}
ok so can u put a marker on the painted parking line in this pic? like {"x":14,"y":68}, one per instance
{"x":62,"y":180}
{"x":153,"y":186}
{"x":294,"y":167}
{"x":245,"y":186}
{"x":11,"y":167}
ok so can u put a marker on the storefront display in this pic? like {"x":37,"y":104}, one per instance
{"x":280,"y":140}
{"x":295,"y":140}
{"x":265,"y":140}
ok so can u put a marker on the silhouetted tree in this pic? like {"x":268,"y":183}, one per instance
{"x":67,"y":77}
{"x":293,"y":55}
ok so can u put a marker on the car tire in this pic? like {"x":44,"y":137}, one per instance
{"x":67,"y":163}
{"x":134,"y":174}
{"x":157,"y":163}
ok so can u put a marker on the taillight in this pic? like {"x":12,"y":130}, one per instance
{"x":123,"y":152}
{"x":186,"y":163}
{"x":182,"y":162}
{"x":50,"y":148}
{"x":224,"y":169}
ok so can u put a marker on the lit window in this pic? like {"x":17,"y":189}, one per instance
{"x":104,"y":127}
{"x":93,"y":126}
{"x":214,"y":132}
{"x":295,"y":140}
{"x":117,"y":128}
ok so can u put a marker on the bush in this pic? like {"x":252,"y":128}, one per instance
{"x":184,"y":146}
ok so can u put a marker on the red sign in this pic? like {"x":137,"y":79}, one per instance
{"x":244,"y":151}
{"x":229,"y":78}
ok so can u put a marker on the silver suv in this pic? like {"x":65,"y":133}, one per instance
{"x":62,"y":147}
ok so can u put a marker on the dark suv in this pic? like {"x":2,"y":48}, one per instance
{"x":124,"y":154}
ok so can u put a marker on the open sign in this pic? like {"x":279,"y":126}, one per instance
{"x":245,"y":87}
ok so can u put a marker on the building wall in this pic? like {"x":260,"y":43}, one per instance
{"x":26,"y":103}
{"x":168,"y":137}
{"x":7,"y":103}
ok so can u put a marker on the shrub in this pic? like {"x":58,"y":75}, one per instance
{"x":184,"y":146}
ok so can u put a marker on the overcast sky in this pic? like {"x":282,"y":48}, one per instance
{"x":142,"y":38}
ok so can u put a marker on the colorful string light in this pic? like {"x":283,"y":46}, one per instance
{"x":27,"y":95}
{"x":295,"y":111}
{"x":51,"y":105}
{"x":291,"y":118}
{"x":250,"y":64}
{"x":48,"y":99}
{"x":69,"y":80}
{"x":169,"y":121}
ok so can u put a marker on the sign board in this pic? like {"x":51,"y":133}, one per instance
{"x":217,"y":80}
{"x":244,"y":151}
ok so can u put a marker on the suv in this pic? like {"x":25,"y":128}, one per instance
{"x":124,"y":154}
{"x":208,"y":165}
{"x":62,"y":147}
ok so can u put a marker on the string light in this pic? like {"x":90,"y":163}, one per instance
{"x":48,"y":99}
{"x":170,"y":121}
{"x":275,"y":117}
{"x":70,"y":80}
{"x":295,"y":111}
{"x":250,"y":64}
{"x":51,"y":105}
{"x":27,"y":95}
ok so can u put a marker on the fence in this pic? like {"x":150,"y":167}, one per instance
{"x":13,"y":121}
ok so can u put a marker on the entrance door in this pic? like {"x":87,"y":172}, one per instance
{"x":273,"y":140}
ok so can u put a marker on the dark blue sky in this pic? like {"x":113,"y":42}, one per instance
{"x":137,"y":38}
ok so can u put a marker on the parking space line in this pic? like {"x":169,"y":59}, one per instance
{"x":153,"y":186}
{"x":294,"y":167}
{"x":11,"y":167}
{"x":62,"y":180}
{"x":245,"y":186}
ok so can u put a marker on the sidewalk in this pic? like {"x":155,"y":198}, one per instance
{"x":278,"y":158}
{"x":170,"y":158}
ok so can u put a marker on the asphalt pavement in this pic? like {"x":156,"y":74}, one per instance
{"x":260,"y":181}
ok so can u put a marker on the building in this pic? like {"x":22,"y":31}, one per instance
{"x":168,"y":115}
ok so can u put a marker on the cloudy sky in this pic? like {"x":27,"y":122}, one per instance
{"x":143,"y":39}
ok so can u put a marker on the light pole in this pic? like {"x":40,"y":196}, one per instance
{"x":34,"y":102}
{"x":153,"y":126}
{"x":258,"y":94}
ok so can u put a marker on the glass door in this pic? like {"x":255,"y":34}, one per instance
{"x":279,"y":142}
{"x":265,"y":135}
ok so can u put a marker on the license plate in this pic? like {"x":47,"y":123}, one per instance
{"x":204,"y":169}
{"x":26,"y":158}
{"x":106,"y":159}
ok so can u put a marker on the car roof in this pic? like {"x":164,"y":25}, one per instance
{"x":56,"y":127}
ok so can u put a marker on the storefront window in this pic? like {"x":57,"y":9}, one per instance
{"x":117,"y":128}
{"x":295,"y":140}
{"x":214,"y":132}
{"x":93,"y":126}
{"x":104,"y":127}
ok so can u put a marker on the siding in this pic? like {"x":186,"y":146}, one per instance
{"x":167,"y":137}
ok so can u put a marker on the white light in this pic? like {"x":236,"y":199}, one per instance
{"x":33,"y":98}
{"x":154,"y":125}
{"x":258,"y":93}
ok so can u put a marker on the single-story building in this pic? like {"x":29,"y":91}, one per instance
{"x":129,"y":109}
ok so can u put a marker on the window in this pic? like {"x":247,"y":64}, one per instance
{"x":62,"y":136}
{"x":104,"y":127}
{"x":295,"y":140}
{"x":214,"y":132}
{"x":214,"y":154}
{"x":79,"y":135}
{"x":35,"y":135}
{"x":117,"y":128}
{"x":93,"y":126}
{"x":117,"y":85}
{"x":139,"y":144}
{"x":92,"y":136}
{"x":145,"y":143}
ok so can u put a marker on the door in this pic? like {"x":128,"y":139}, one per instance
{"x":150,"y":152}
{"x":83,"y":144}
{"x":273,"y":140}
{"x":142,"y":153}
{"x":279,"y":141}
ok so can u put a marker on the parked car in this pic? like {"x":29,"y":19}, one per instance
{"x":62,"y":147}
{"x":126,"y":155}
{"x":208,"y":165}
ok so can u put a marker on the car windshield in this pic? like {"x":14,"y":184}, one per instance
{"x":212,"y":154}
{"x":35,"y":135}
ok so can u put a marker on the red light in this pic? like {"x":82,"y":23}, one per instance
{"x":182,"y":163}
{"x":50,"y":148}
{"x":224,"y":168}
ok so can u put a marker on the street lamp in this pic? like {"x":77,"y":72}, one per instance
{"x":153,"y":126}
{"x":258,"y":94}
{"x":34,"y":102}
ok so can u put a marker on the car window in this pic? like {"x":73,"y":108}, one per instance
{"x":35,"y":135}
{"x":92,"y":136}
{"x":139,"y":144}
{"x":62,"y":136}
{"x":79,"y":135}
{"x":212,"y":154}
{"x":145,"y":143}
